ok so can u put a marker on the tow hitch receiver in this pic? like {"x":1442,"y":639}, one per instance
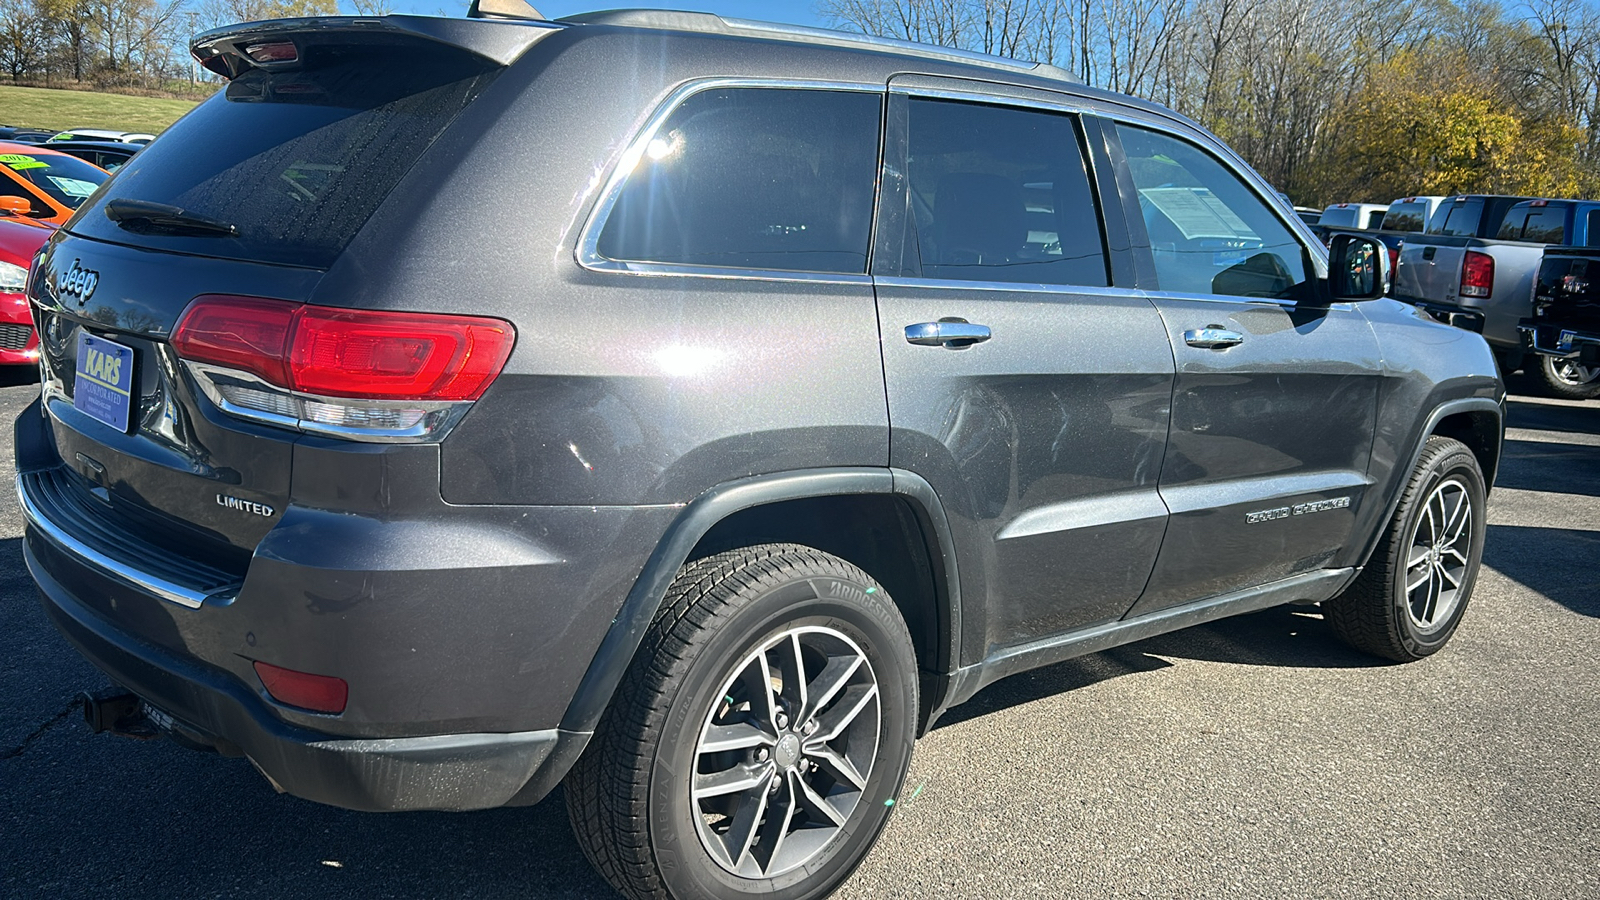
{"x":118,"y":712}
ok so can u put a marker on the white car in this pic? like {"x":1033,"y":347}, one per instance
{"x":1366,"y":216}
{"x":104,"y":134}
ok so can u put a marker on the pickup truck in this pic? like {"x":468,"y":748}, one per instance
{"x":1474,"y":266}
{"x":1564,"y":330}
{"x":1402,"y":219}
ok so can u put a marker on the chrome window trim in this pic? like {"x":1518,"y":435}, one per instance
{"x":588,"y":252}
{"x":160,"y":587}
{"x":1017,"y":287}
{"x":991,"y":99}
{"x":1233,"y":298}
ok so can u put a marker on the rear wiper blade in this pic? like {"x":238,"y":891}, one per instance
{"x":143,"y":216}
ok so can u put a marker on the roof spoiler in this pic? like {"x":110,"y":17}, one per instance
{"x":225,"y":50}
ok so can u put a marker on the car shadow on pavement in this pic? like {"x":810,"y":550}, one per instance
{"x":1551,"y":467}
{"x":11,"y":376}
{"x":1584,"y":419}
{"x":1291,"y":636}
{"x":1558,"y":563}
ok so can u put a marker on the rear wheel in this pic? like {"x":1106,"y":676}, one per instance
{"x":1409,"y":599}
{"x":759,"y":737}
{"x":1567,"y":379}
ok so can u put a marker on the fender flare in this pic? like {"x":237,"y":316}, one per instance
{"x":1439,"y":413}
{"x":639,"y":609}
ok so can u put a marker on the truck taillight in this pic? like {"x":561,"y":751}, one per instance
{"x":363,"y":374}
{"x":1477,"y":274}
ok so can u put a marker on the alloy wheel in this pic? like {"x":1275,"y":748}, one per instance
{"x":785,"y":752}
{"x":1441,"y":545}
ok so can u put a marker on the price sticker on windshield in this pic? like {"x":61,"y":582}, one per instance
{"x":104,"y":385}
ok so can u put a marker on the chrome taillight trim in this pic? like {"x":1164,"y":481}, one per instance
{"x":439,"y":416}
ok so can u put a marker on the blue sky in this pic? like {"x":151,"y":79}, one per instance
{"x":795,"y":12}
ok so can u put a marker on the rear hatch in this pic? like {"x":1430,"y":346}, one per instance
{"x":253,"y":194}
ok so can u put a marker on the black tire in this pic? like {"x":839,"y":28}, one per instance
{"x":1566,"y":379}
{"x":1377,"y":613}
{"x":635,"y":797}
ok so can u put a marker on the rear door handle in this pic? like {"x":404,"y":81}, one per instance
{"x":1212,"y":337}
{"x":954,"y":333}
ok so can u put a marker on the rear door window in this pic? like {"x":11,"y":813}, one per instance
{"x":297,"y":160}
{"x":777,"y":179}
{"x":1002,"y":194}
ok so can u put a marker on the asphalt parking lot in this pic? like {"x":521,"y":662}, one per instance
{"x":1256,"y":757}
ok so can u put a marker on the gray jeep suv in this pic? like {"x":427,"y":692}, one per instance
{"x":693,"y":410}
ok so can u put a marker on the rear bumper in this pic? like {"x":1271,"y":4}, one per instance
{"x":1561,"y":343}
{"x":445,"y":772}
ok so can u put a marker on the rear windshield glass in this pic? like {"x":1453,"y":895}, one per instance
{"x":1406,"y":217}
{"x":296,"y":160}
{"x":66,"y":179}
{"x":1338,"y":217}
{"x":1461,"y":219}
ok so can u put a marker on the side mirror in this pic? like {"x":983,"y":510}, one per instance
{"x":1358,"y":268}
{"x":11,"y":205}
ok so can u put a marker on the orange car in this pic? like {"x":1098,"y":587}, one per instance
{"x":44,"y":185}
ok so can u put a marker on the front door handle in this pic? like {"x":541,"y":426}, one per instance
{"x":1212,"y":337}
{"x":954,"y":333}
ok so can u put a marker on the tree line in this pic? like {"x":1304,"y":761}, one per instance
{"x":1332,"y":100}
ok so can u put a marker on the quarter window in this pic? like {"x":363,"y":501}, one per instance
{"x":1001,"y":194}
{"x":754,"y":178}
{"x":1209,"y":232}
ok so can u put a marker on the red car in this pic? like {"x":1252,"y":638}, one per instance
{"x":19,"y":239}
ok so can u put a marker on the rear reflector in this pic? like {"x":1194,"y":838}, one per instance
{"x":358,"y":354}
{"x":318,"y":693}
{"x":1477,"y":274}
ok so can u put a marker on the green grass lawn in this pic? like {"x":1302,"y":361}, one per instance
{"x":60,"y":110}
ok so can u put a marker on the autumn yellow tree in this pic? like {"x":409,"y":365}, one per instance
{"x":1436,"y":126}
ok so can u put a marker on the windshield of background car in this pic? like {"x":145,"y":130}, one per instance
{"x":66,"y":179}
{"x":297,"y":160}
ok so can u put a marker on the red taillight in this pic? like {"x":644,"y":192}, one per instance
{"x":347,"y":353}
{"x":318,"y":693}
{"x":1394,"y":258}
{"x":1477,"y":274}
{"x":239,"y":333}
{"x":399,"y":356}
{"x":275,"y":51}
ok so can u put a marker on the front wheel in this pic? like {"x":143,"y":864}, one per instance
{"x":760,"y":736}
{"x":1409,"y":599}
{"x":1567,"y":379}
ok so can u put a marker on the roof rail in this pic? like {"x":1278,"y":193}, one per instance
{"x":670,"y":20}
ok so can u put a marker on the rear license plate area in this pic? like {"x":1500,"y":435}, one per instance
{"x":103,"y":389}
